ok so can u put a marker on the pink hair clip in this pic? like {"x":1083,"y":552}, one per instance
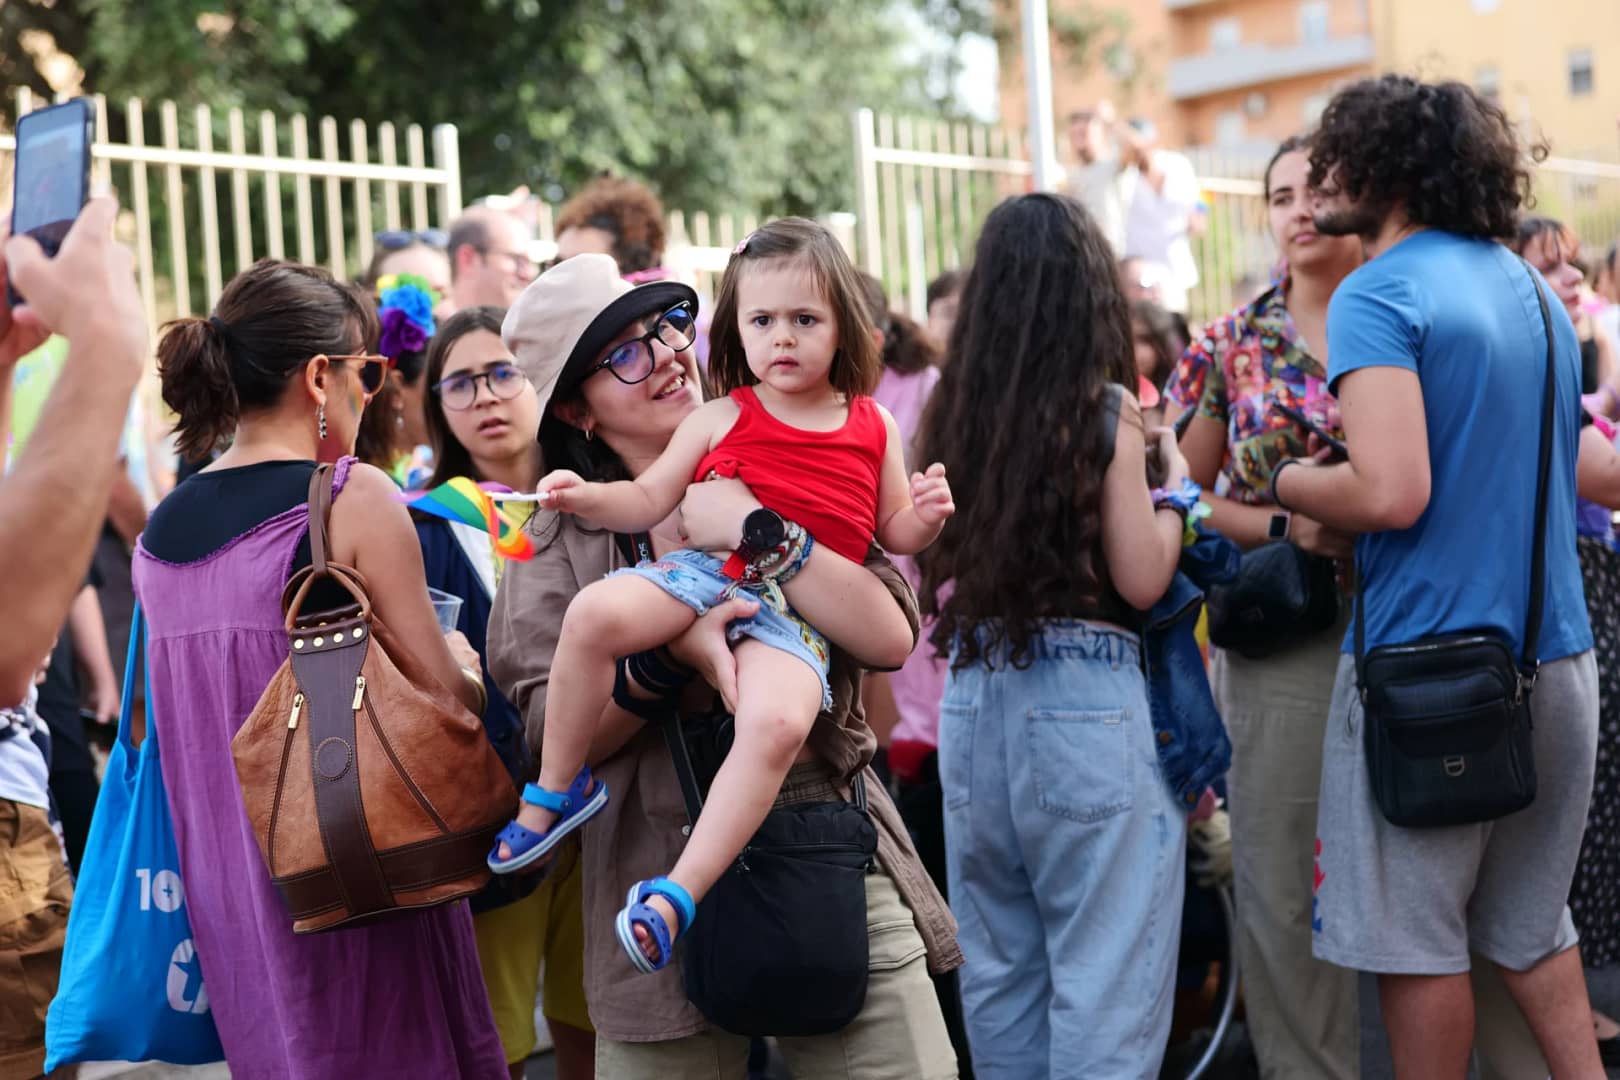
{"x":743,"y":246}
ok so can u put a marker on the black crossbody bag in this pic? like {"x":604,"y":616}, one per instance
{"x":779,"y":945}
{"x":1447,"y":719}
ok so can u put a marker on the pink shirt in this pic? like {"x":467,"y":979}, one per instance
{"x":920,"y":683}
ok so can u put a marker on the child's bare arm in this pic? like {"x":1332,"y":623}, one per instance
{"x":910,"y":512}
{"x":634,"y":505}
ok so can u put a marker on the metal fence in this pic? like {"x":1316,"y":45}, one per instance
{"x":922,"y":188}
{"x":226,"y":199}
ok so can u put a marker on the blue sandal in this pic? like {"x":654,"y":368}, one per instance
{"x":636,"y":910}
{"x":575,"y":806}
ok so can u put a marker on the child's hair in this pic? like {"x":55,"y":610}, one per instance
{"x":1162,"y":328}
{"x":907,"y":348}
{"x":945,"y":286}
{"x":1018,"y":421}
{"x":857,"y":365}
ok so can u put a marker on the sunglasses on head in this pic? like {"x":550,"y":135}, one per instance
{"x":395,"y":239}
{"x":373,"y":370}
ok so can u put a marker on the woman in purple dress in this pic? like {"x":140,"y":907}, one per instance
{"x":280,"y":369}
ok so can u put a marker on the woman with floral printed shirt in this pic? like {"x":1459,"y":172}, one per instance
{"x":1302,"y":1012}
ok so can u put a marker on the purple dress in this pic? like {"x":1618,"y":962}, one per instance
{"x":403,"y":997}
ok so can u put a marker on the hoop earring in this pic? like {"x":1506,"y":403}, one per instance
{"x":590,"y":433}
{"x":320,"y":417}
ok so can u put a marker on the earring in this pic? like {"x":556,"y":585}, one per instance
{"x":320,"y":417}
{"x":589,"y":434}
{"x":399,"y":419}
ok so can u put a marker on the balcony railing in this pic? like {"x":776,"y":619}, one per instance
{"x":1252,"y":65}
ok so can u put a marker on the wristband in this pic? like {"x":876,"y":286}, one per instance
{"x":658,"y":672}
{"x":657,"y":708}
{"x":787,"y":567}
{"x":1276,"y":474}
{"x":477,"y":681}
{"x":1182,"y":499}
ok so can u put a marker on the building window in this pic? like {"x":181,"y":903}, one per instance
{"x":1313,"y":21}
{"x":1580,"y":72}
{"x":1225,"y":33}
{"x":1231,"y":129}
{"x":1488,"y":81}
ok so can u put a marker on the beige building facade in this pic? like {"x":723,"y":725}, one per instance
{"x":1242,"y":74}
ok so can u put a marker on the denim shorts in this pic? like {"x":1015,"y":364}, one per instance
{"x":694,"y":578}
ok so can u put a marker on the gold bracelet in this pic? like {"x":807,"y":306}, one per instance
{"x":477,"y":681}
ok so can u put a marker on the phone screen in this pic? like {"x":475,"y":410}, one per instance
{"x":52,"y":172}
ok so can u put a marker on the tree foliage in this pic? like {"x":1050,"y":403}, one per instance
{"x":716,"y":103}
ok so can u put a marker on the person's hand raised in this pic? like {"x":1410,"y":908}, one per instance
{"x":87,"y":291}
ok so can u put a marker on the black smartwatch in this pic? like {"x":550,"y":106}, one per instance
{"x":763,"y":530}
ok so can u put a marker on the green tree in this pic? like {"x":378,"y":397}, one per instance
{"x":736,"y":104}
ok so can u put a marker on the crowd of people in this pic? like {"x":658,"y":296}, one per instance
{"x":846,"y":697}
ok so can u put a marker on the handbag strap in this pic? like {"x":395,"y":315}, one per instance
{"x":320,"y":515}
{"x":126,"y":704}
{"x":1529,"y":662}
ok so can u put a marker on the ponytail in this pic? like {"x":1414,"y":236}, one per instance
{"x":194,"y":365}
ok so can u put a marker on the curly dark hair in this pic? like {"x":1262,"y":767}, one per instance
{"x":1017,"y":419}
{"x":626,"y":210}
{"x":1447,"y":155}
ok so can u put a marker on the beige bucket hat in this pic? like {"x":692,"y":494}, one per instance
{"x":570,"y":313}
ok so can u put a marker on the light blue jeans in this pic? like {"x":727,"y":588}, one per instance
{"x":1065,"y":851}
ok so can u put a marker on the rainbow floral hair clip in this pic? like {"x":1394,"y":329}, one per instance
{"x":405,"y":304}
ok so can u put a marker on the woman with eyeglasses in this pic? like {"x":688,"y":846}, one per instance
{"x":423,"y":254}
{"x":285,"y":367}
{"x":482,"y":414}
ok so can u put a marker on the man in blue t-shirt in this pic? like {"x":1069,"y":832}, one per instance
{"x":1437,"y":353}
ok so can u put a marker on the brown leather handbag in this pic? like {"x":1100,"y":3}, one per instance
{"x":370,"y":787}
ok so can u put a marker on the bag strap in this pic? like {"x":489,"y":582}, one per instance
{"x":126,"y":704}
{"x":320,"y":515}
{"x":1529,"y":662}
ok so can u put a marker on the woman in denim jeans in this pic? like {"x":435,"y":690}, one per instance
{"x":1064,"y":844}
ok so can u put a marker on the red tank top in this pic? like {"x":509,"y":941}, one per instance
{"x":827,"y":481}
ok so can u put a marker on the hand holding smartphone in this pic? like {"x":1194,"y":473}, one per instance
{"x":1333,"y":442}
{"x":52,"y":175}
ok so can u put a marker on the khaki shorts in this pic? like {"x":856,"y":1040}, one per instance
{"x":899,"y":1034}
{"x":543,"y":931}
{"x":35,"y":894}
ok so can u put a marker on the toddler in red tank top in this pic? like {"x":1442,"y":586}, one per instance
{"x":797,"y":354}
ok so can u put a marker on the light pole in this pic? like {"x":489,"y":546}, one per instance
{"x":1038,"y":81}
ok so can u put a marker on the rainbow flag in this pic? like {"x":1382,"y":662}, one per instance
{"x":460,"y":499}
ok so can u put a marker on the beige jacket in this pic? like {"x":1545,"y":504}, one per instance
{"x":639,"y":834}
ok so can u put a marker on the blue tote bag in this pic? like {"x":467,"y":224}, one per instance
{"x":131,"y":986}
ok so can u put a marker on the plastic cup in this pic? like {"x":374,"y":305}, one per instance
{"x":447,"y":607}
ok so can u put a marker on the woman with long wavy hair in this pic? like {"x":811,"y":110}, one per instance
{"x":1064,"y":844}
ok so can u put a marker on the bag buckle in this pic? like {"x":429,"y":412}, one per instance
{"x":1526,"y":683}
{"x":1455,"y":766}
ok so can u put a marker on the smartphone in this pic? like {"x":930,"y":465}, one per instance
{"x":52,"y":178}
{"x":1313,"y":427}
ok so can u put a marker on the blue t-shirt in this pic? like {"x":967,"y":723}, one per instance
{"x":1462,"y":313}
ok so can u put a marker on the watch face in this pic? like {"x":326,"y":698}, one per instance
{"x":763,"y":530}
{"x":1278,"y":529}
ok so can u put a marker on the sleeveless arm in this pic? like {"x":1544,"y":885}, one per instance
{"x":372,"y":531}
{"x":630,"y":506}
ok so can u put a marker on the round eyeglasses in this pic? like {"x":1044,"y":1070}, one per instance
{"x":460,"y":390}
{"x":633,"y":361}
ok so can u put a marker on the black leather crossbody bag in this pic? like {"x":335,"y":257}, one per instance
{"x":1447,"y":723}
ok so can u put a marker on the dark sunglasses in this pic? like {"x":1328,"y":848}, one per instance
{"x":460,"y":391}
{"x":633,"y":361}
{"x":373,"y":370}
{"x":395,"y":239}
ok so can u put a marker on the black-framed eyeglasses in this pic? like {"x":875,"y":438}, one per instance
{"x":460,"y":390}
{"x":395,"y":239}
{"x":633,"y":361}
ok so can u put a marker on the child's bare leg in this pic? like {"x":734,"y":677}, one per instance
{"x":778,"y":697}
{"x":614,"y":617}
